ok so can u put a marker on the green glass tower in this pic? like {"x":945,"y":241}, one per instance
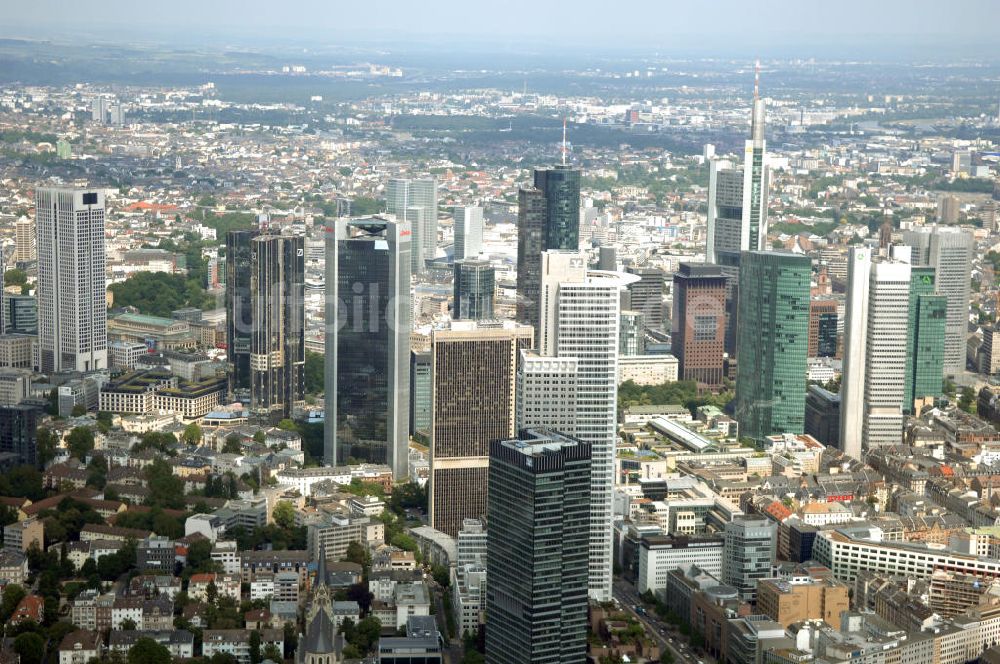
{"x":773,"y":343}
{"x":925,"y":338}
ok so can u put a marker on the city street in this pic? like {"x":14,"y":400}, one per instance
{"x":626,"y":594}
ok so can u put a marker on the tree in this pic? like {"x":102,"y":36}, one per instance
{"x":358,"y":553}
{"x":968,"y":399}
{"x":127,"y":625}
{"x":47,"y":444}
{"x":259,"y":437}
{"x":290,"y":638}
{"x":80,"y":442}
{"x":15,"y":277}
{"x":284,"y":514}
{"x":159,"y":293}
{"x":12,"y":596}
{"x":286,"y":425}
{"x":192,"y":434}
{"x":148,"y":651}
{"x":79,"y":410}
{"x":165,"y":488}
{"x":254,"y":647}
{"x":313,"y":373}
{"x":233,"y":444}
{"x":31,"y":647}
{"x":272,"y":653}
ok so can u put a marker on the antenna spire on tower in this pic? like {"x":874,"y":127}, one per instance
{"x":756,"y":80}
{"x":564,"y":142}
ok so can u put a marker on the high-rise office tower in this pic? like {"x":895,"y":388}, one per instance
{"x":416,"y":201}
{"x":19,"y":432}
{"x":748,"y":552}
{"x":631,"y":334}
{"x":474,"y":388}
{"x":72,"y":281}
{"x":537,"y":549}
{"x":421,"y":388}
{"x":773,"y":343}
{"x":949,"y":251}
{"x":530,"y":245}
{"x":577,"y":359}
{"x":698,"y":323}
{"x":21,"y":314}
{"x":737,"y":199}
{"x":548,"y":218}
{"x":875,"y":348}
{"x":468,"y":232}
{"x":24,"y":238}
{"x":277,"y":338}
{"x":368,"y":342}
{"x":474,"y":288}
{"x":607,"y":259}
{"x":823,"y":322}
{"x":928,"y":313}
{"x":239,"y":309}
{"x":646,"y":295}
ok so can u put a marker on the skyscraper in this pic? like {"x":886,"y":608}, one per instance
{"x":699,"y":322}
{"x":579,"y":327}
{"x":277,"y":339}
{"x":548,"y":218}
{"x":928,"y":313}
{"x":530,"y":245}
{"x":468,"y":232}
{"x":239,"y":309}
{"x":875,"y":350}
{"x":368,"y":342}
{"x":646,"y":295}
{"x":421,"y":388}
{"x":823,"y":321}
{"x":474,"y":388}
{"x":539,"y":503}
{"x":416,"y":201}
{"x":474,"y":288}
{"x":748,"y":553}
{"x":25,"y":243}
{"x":631,"y":335}
{"x":949,"y":251}
{"x":737,"y":199}
{"x":773,"y":342}
{"x":72,"y":281}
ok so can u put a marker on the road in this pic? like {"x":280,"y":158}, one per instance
{"x":454,"y":650}
{"x":626,"y":594}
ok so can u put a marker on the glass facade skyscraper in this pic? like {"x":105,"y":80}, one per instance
{"x":548,"y":218}
{"x":537,"y":549}
{"x":925,"y":338}
{"x":239,"y":309}
{"x":474,"y":287}
{"x":773,"y":343}
{"x":368,"y":342}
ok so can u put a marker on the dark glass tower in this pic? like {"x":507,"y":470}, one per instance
{"x":548,"y":218}
{"x":368,"y":342}
{"x":537,"y":549}
{"x":277,"y":341}
{"x":474,"y":288}
{"x":239,"y":308}
{"x":773,"y":343}
{"x":925,"y":338}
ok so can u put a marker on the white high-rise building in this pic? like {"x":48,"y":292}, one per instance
{"x":468,"y":232}
{"x":578,"y":352}
{"x":72,"y":282}
{"x":949,"y":251}
{"x":874,"y":381}
{"x":400,"y":196}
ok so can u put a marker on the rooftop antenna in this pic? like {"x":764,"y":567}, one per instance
{"x":564,"y":142}
{"x":756,"y":80}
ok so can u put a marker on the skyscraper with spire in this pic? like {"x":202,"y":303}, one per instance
{"x":737,"y":199}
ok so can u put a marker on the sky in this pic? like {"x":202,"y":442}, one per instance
{"x":703,"y":25}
